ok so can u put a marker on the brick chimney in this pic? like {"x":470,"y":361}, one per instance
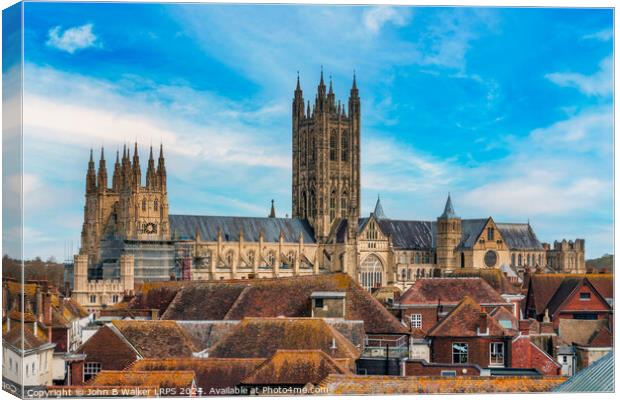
{"x":47,"y":308}
{"x":39,"y":304}
{"x":483,"y":324}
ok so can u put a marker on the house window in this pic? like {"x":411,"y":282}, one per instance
{"x":497,"y":353}
{"x":114,"y":298}
{"x":459,"y":353}
{"x":584,"y":316}
{"x":416,"y":320}
{"x":33,"y":369}
{"x":27,"y":371}
{"x":448,"y":373}
{"x":93,"y":298}
{"x":564,"y":360}
{"x":318,"y":303}
{"x":91,"y":369}
{"x":584,"y":296}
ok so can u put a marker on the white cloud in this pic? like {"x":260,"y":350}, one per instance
{"x":598,"y":84}
{"x":376,"y":17}
{"x":561,"y":169}
{"x":72,"y":39}
{"x":603,"y":35}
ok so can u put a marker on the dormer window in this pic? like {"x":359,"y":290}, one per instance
{"x":584,"y":296}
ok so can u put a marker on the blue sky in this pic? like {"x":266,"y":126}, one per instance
{"x":510,"y":110}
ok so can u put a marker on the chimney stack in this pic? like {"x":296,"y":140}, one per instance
{"x":483,"y":324}
{"x":39,"y":304}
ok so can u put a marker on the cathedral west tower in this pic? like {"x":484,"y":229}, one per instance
{"x":326,"y":158}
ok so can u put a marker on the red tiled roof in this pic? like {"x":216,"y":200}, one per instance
{"x":602,"y":338}
{"x":543,"y":287}
{"x":450,"y":291}
{"x":383,"y":385}
{"x":294,"y":367}
{"x":157,"y":339}
{"x":30,"y":341}
{"x":463,"y":321}
{"x":211,"y":373}
{"x":237,"y":299}
{"x":162,"y":379}
{"x":493,"y":276}
{"x":262,"y":337}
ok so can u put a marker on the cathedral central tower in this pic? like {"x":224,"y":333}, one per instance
{"x":326,"y":158}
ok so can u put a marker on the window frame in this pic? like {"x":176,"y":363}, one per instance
{"x":588,"y":296}
{"x":91,"y":369}
{"x":417,"y":320}
{"x":448,"y":373}
{"x":497,"y":355}
{"x":466,"y":345}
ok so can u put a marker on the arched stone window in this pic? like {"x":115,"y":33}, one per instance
{"x":520,"y":260}
{"x":143,"y":204}
{"x":332,"y":205}
{"x":409,"y":274}
{"x":513,"y":259}
{"x":344,"y":146}
{"x":230,"y":256}
{"x":343,"y":205}
{"x":333,"y":146}
{"x":155,"y":205}
{"x":528,"y":260}
{"x":417,"y":258}
{"x":371,"y":234}
{"x":303,"y":149}
{"x":371,"y":272}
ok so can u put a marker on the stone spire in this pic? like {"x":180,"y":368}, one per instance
{"x":448,"y":211}
{"x":137,"y":173}
{"x":116,"y":178}
{"x":272,"y":213}
{"x":378,"y":213}
{"x":161,"y":168}
{"x":150,"y":171}
{"x":102,"y":175}
{"x":91,"y":176}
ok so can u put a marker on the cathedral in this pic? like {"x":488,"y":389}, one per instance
{"x":128,"y":235}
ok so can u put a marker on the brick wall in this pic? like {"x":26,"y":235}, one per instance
{"x":478,"y":349}
{"x":576,"y":305}
{"x":59,"y":336}
{"x":526,"y":354}
{"x":107,"y":348}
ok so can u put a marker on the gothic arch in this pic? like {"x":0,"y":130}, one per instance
{"x":371,"y":272}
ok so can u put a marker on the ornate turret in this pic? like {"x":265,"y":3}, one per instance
{"x":91,"y":175}
{"x":116,"y":178}
{"x":272,"y":213}
{"x":151,"y":180}
{"x":135,"y":166}
{"x":102,"y":174}
{"x":161,"y":169}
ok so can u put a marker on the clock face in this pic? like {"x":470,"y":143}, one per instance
{"x":150,"y":228}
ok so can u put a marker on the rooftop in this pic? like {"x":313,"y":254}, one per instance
{"x":379,"y":385}
{"x":156,"y":339}
{"x":262,"y":337}
{"x":450,"y":291}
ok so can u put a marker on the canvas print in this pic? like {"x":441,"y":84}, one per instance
{"x":306,"y":199}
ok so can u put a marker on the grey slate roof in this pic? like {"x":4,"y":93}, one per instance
{"x":185,"y":227}
{"x":519,"y":236}
{"x":598,"y":377}
{"x":422,"y":235}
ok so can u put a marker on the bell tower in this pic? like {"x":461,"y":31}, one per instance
{"x":326,"y":162}
{"x":448,"y":236}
